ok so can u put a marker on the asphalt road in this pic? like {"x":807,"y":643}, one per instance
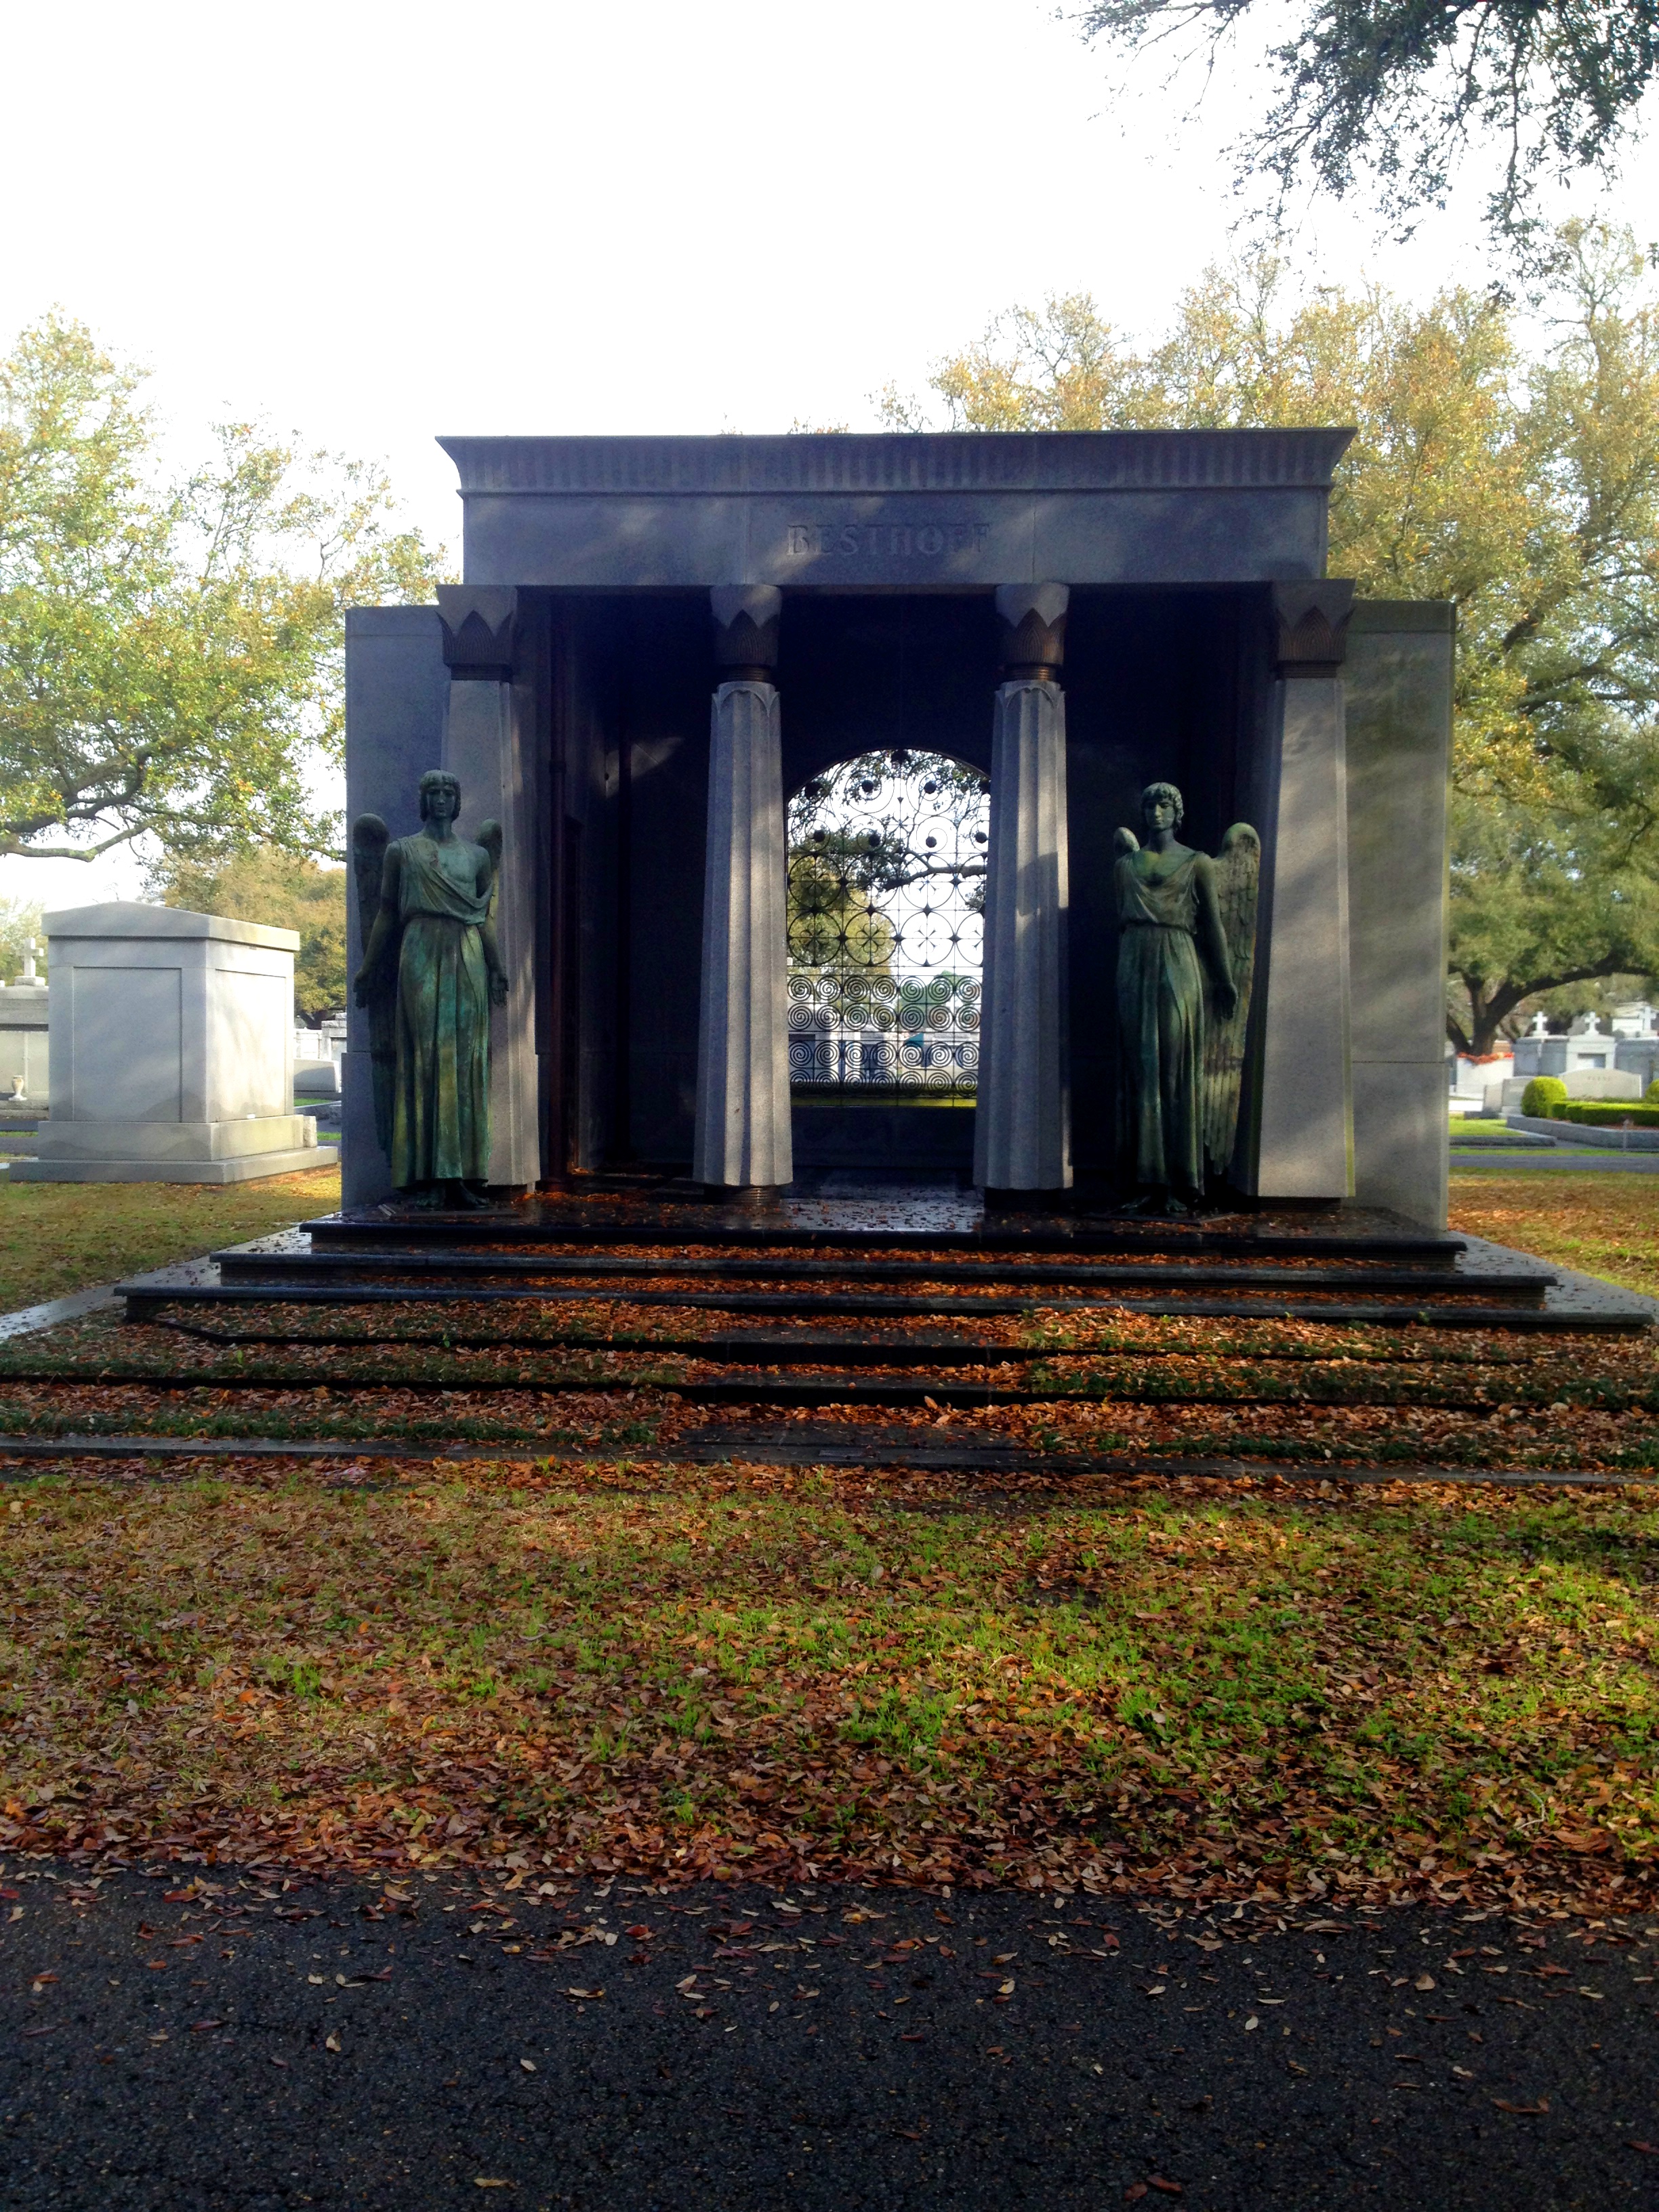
{"x":260,"y":2047}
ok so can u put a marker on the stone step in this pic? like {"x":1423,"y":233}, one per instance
{"x":957,"y":1230}
{"x":149,"y":1296}
{"x":781,"y":1349}
{"x":1521,"y":1291}
{"x":912,"y":1387}
{"x":845,"y":1444}
{"x":552,"y":1275}
{"x":829,"y":1386}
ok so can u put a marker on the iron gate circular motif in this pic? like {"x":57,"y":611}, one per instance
{"x":887,"y":856}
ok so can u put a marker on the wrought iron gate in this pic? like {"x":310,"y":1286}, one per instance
{"x":886,"y":891}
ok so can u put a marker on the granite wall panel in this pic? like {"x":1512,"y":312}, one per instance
{"x":907,"y":542}
{"x":1399,"y":678}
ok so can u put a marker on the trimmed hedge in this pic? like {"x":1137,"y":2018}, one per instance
{"x":1542,"y":1096}
{"x":1606,"y":1113}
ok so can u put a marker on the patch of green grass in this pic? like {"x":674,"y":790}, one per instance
{"x":56,"y":1238}
{"x":1260,"y":1687}
{"x":1606,"y":1225}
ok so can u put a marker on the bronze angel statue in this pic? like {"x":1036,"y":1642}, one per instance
{"x":1186,"y":956}
{"x":431,"y":972}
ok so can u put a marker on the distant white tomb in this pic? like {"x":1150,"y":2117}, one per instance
{"x":1592,"y":1064}
{"x":317,"y":1056}
{"x":25,"y":1013}
{"x":172,"y":1051}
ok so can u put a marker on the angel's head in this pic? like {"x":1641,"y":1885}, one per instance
{"x":440,"y":795}
{"x":1162,"y":806}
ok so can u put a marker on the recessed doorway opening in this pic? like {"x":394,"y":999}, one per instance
{"x":887,"y":859}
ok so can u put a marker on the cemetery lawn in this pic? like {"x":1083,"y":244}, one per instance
{"x":56,"y":1238}
{"x":1203,"y":1690}
{"x":1606,"y":1225}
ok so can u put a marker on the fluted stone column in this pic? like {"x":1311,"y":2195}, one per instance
{"x":1022,"y":1124}
{"x":482,"y":748}
{"x":742,"y":1145}
{"x":1305,"y":1144}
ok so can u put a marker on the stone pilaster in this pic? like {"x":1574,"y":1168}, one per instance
{"x":1305,"y":1145}
{"x":482,"y":748}
{"x":1021,"y":1126}
{"x":743,"y":1141}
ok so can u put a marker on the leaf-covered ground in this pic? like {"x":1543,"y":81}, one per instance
{"x":1205,"y":1689}
{"x":1604,"y":1225}
{"x":629,"y":1660}
{"x":56,"y":1238}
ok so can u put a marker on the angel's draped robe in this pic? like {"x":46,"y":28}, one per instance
{"x":441,"y":1107}
{"x":1160,"y":1029}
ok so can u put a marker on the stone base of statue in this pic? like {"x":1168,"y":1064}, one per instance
{"x":1058,"y":1198}
{"x":450,"y":1196}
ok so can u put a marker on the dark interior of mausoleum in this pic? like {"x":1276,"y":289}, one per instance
{"x":1159,"y":682}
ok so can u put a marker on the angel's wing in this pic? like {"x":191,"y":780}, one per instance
{"x":1124,"y":841}
{"x":369,"y":839}
{"x":490,"y":837}
{"x":1238,"y":877}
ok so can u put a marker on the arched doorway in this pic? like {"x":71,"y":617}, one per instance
{"x":887,"y":855}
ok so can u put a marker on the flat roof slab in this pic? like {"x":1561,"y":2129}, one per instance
{"x":949,"y":511}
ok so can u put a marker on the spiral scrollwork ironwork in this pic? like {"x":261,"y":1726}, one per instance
{"x":886,"y":887}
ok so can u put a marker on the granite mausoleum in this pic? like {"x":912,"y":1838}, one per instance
{"x":661,"y":640}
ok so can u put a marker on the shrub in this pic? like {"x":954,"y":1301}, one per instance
{"x":1650,"y":1096}
{"x":1608,"y":1113}
{"x":1543,"y":1097}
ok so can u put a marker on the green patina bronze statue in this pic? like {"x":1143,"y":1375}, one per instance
{"x":431,"y":972}
{"x":1186,"y":951}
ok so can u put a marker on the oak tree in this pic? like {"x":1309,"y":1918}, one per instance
{"x":171,"y":651}
{"x":1520,"y":483}
{"x":285,"y":891}
{"x":1394,"y":93}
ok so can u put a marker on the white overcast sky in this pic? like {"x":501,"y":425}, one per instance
{"x":373,"y":221}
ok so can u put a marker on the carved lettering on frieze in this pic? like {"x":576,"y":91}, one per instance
{"x":884,"y":541}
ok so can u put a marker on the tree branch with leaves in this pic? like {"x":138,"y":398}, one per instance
{"x":171,"y":656}
{"x":1395,"y":94}
{"x":1522,"y":486}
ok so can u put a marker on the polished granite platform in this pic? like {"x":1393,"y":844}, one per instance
{"x":841,"y":1208}
{"x":845,"y":1247}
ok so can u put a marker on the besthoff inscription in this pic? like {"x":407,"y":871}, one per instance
{"x":884,"y":541}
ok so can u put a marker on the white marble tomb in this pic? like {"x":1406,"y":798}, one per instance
{"x":171,"y":1050}
{"x":25,"y":1021}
